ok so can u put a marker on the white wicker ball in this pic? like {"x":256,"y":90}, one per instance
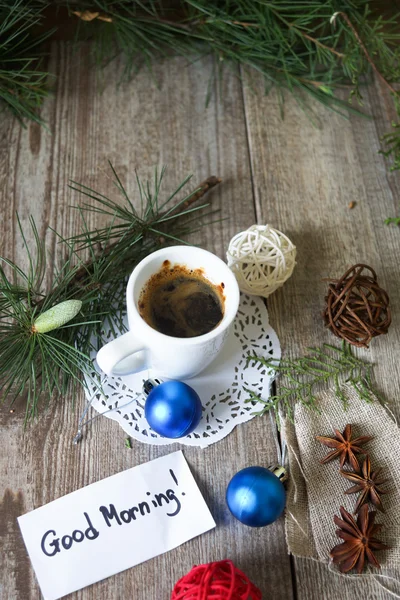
{"x":262,"y":259}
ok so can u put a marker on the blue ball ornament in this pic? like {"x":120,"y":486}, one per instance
{"x":255,"y":496}
{"x":173,"y":409}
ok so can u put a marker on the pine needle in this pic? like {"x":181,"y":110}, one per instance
{"x":301,"y":376}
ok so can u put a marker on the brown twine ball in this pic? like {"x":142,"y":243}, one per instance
{"x":357,"y":308}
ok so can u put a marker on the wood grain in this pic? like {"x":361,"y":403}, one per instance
{"x":304,"y":179}
{"x":136,"y":125}
{"x":298,"y":178}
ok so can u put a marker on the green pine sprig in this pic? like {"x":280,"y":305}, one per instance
{"x":391,"y":142}
{"x":392,"y":221}
{"x":303,"y":48}
{"x":391,"y":151}
{"x":47,"y":336}
{"x":23,"y":82}
{"x":297,"y":48}
{"x":307,"y":50}
{"x":301,"y":377}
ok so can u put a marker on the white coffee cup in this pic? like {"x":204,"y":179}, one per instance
{"x":143,"y":347}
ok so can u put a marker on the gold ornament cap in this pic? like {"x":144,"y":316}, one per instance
{"x":280,"y":472}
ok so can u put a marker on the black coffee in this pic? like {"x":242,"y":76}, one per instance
{"x":181,"y":303}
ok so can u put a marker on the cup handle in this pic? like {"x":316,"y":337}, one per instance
{"x":122,"y":356}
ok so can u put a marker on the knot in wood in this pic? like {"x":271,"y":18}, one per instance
{"x":357,"y":308}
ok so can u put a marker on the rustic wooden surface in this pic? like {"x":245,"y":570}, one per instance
{"x":296,"y":177}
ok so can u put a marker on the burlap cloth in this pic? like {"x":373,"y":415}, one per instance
{"x":315,"y":491}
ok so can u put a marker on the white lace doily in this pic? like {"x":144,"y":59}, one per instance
{"x":220,"y":386}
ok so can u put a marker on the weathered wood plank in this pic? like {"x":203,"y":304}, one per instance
{"x":135,"y":126}
{"x":304,"y":179}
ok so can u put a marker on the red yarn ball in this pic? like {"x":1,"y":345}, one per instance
{"x":216,"y":581}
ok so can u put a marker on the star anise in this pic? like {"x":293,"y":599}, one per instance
{"x":359,"y":540}
{"x":368,"y":483}
{"x":344,"y":447}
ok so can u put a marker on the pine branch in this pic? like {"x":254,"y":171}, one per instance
{"x":302,"y":376}
{"x":391,"y":143}
{"x":364,"y":49}
{"x":83,"y":275}
{"x":391,"y":140}
{"x":293,"y":46}
{"x":392,"y":221}
{"x":46,"y":337}
{"x":296,"y":48}
{"x":23,"y":85}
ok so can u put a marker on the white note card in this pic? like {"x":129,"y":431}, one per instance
{"x":114,"y":524}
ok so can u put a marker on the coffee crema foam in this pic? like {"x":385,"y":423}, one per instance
{"x":181,"y":302}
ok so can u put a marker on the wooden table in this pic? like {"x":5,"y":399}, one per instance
{"x":297,"y":177}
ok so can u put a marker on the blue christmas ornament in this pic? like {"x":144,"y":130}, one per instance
{"x":173,"y":409}
{"x":256,"y":496}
